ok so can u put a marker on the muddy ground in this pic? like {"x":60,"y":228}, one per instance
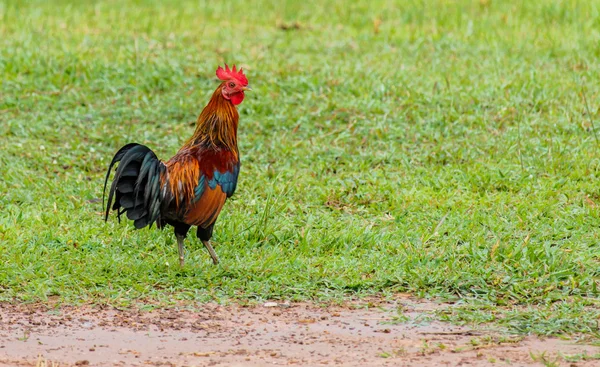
{"x":271,"y":334}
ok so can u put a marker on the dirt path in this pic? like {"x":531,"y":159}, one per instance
{"x":272,"y":334}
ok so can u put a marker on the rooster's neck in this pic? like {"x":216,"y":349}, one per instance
{"x":217,"y":125}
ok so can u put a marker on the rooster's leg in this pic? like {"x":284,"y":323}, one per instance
{"x":212,"y":252}
{"x":204,"y":234}
{"x":180,"y":239}
{"x":181,"y":230}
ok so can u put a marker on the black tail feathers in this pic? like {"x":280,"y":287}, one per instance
{"x":136,"y":187}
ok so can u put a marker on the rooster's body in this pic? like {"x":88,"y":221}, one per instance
{"x":189,"y":189}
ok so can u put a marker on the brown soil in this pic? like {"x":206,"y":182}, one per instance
{"x":272,"y":334}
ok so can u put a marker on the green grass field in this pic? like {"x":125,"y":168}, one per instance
{"x":448,"y":149}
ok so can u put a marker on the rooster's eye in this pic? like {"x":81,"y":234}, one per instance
{"x":231,"y":85}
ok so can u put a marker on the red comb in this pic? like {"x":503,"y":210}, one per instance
{"x":228,"y":74}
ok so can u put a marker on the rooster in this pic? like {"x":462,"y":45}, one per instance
{"x":189,"y":189}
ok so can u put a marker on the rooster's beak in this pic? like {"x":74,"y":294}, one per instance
{"x":247,"y":89}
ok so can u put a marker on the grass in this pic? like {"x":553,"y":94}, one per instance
{"x":42,"y":362}
{"x":443,"y":148}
